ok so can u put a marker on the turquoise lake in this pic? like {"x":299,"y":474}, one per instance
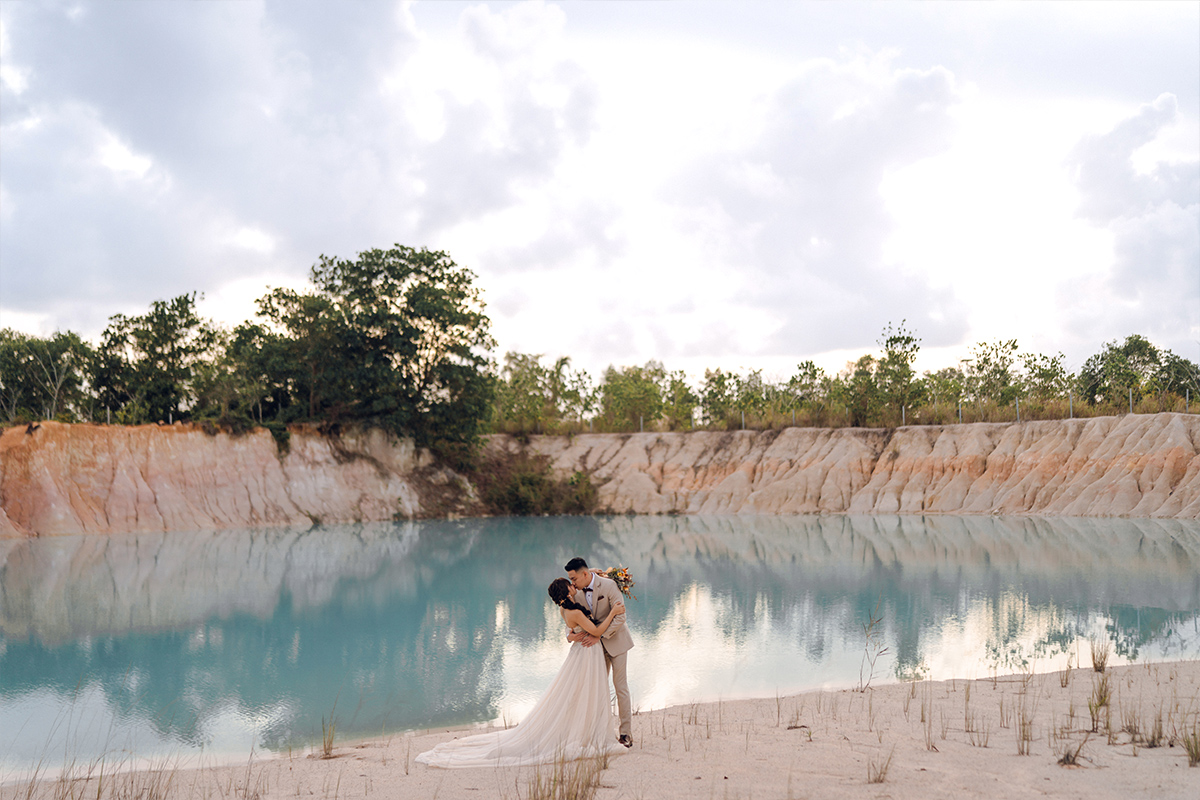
{"x":213,"y":643}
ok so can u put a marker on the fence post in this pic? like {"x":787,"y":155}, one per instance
{"x":960,"y":412}
{"x":107,"y":415}
{"x":640,"y":418}
{"x":1071,"y":404}
{"x":793,"y":417}
{"x":1187,"y":400}
{"x":1018,"y":409}
{"x":902,"y":418}
{"x":743,"y":420}
{"x":170,"y":417}
{"x":1130,"y":399}
{"x":590,"y":421}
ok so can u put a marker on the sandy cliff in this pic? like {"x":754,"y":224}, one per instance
{"x":72,"y":479}
{"x":1139,"y":466}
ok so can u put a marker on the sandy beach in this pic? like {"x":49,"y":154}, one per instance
{"x":1009,"y":736}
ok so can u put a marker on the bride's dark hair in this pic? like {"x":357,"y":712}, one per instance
{"x":560,"y":593}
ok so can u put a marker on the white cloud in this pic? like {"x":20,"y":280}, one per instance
{"x":123,"y":161}
{"x":34,"y":324}
{"x":1152,"y":281}
{"x":254,"y":239}
{"x":695,"y":183}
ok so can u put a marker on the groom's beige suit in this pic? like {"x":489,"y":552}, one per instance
{"x":616,"y":641}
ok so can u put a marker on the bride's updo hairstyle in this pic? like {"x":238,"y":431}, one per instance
{"x":560,"y":593}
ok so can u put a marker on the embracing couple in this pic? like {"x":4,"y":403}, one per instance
{"x":573,"y":719}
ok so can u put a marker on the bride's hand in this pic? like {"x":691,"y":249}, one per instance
{"x":618,"y":608}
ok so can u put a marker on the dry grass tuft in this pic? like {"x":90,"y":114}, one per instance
{"x":1101,"y":648}
{"x":567,"y":780}
{"x":327,"y":733}
{"x":1191,"y":743}
{"x":877,"y":770}
{"x":104,"y":781}
{"x":1100,"y":699}
{"x":1025,"y":714}
{"x":1156,"y":736}
{"x":1070,"y":758}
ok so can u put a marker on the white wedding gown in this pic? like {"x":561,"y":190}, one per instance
{"x":573,"y":719}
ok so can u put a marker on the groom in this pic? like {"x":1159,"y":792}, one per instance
{"x":599,"y":594}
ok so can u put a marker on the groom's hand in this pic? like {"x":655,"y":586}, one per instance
{"x":585,"y":639}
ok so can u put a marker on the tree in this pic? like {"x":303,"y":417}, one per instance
{"x":317,"y":346}
{"x":679,"y":401}
{"x":632,"y":396}
{"x":809,"y":385}
{"x":42,"y":378}
{"x":750,"y":392}
{"x":989,"y":372}
{"x":530,"y":396}
{"x":947,"y":385}
{"x":717,"y":395}
{"x":1045,"y":377}
{"x":1135,"y":365}
{"x":895,"y":375}
{"x":860,"y":391}
{"x":1110,"y":375}
{"x":396,"y":338}
{"x":521,"y":392}
{"x":61,"y":363}
{"x":144,"y":366}
{"x":1177,"y":375}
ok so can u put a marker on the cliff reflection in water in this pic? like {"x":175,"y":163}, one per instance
{"x":227,"y":639}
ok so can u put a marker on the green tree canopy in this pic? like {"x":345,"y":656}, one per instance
{"x":144,"y":366}
{"x":896,"y":378}
{"x":989,"y":372}
{"x":632,"y":396}
{"x":858,"y":389}
{"x":396,"y":338}
{"x":532,"y":396}
{"x":42,"y":377}
{"x":1136,"y":366}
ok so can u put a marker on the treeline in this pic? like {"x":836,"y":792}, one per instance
{"x":997,"y":382}
{"x":395,"y":338}
{"x":398,"y":339}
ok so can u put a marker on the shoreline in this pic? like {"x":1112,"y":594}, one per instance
{"x":954,"y":738}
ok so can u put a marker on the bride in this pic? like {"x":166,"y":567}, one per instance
{"x":573,"y":719}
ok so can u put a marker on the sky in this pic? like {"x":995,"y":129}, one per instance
{"x":736,"y":185}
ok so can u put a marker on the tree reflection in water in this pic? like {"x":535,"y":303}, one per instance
{"x":413,"y":625}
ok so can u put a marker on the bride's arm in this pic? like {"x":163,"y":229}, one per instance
{"x":575,"y":617}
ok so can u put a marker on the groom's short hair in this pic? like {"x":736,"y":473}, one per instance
{"x":575,"y":564}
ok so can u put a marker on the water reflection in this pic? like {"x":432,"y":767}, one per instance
{"x":219,"y":640}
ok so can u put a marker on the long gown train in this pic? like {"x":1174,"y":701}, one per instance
{"x":573,"y":719}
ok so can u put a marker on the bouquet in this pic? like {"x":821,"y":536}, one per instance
{"x":621,"y":576}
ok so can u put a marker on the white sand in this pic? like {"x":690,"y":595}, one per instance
{"x":812,"y":745}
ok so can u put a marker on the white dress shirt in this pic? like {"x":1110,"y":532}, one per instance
{"x":588,"y":595}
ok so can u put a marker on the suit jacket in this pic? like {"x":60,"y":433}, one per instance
{"x":616,"y":640}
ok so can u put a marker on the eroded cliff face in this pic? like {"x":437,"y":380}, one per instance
{"x":1137,"y":466}
{"x":80,"y":479}
{"x":72,"y":479}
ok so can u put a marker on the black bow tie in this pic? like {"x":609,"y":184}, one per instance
{"x":588,"y":589}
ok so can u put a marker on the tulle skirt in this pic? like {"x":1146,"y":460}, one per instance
{"x":573,"y":719}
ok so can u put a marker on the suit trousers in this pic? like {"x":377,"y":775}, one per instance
{"x":616,"y":665}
